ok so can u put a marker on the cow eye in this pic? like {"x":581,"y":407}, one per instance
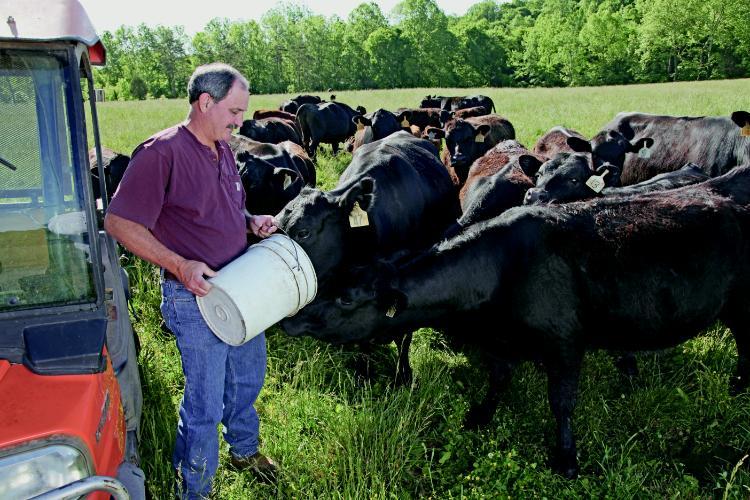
{"x":344,"y":301}
{"x":303,"y":234}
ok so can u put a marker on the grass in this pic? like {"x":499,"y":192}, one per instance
{"x":672,"y":432}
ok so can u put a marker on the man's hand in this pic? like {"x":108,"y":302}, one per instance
{"x":262,"y":226}
{"x":191,"y":272}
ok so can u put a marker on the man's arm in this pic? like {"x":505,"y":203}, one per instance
{"x":139,"y":240}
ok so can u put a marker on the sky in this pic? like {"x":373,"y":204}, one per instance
{"x":107,"y":15}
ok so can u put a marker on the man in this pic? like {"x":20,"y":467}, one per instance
{"x":180,"y":205}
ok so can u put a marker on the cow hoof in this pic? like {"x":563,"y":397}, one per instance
{"x":566,"y":468}
{"x":478,"y":416}
{"x":628,"y":365}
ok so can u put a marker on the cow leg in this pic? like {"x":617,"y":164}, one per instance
{"x":313,"y":149}
{"x":335,"y":148}
{"x":562,"y":385}
{"x":500,"y":372}
{"x":739,"y":324}
{"x":627,"y":364}
{"x":403,"y":368}
{"x":362,"y":361}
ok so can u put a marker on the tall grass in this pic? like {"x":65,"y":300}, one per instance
{"x":672,"y":432}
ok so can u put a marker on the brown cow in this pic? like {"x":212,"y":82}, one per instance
{"x":554,"y":141}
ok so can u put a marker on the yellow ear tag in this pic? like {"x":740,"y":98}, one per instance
{"x":644,"y":153}
{"x":405,"y":123}
{"x":287,"y":181}
{"x":745,"y":131}
{"x":596,"y":182}
{"x":479,"y":138}
{"x":358,"y":217}
{"x":391,"y":312}
{"x":360,"y":126}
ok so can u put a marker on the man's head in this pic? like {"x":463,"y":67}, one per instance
{"x":218,"y":96}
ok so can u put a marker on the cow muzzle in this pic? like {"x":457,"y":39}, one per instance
{"x":535,"y":196}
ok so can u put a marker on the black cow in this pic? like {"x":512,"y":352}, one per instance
{"x":114,"y":168}
{"x":466,"y":140}
{"x":408,"y":199}
{"x":454,"y":103}
{"x":293,"y":104}
{"x":421,"y":117}
{"x":564,"y":179}
{"x":329,"y":122}
{"x":271,"y":130}
{"x":713,"y":142}
{"x":569,"y":278}
{"x":272,"y":174}
{"x":372,"y":127}
{"x":432,"y":101}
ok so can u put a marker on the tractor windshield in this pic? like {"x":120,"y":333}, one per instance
{"x":44,"y":240}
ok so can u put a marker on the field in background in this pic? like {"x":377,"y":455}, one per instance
{"x":672,"y":432}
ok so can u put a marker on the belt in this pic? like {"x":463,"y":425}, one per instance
{"x":169,"y":276}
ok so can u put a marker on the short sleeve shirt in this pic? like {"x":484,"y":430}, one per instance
{"x":192,"y":201}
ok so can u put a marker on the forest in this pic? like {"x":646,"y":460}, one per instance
{"x":521,"y":43}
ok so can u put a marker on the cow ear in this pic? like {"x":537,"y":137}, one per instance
{"x":741,"y":118}
{"x":243,"y":156}
{"x":481,"y":132}
{"x":434,"y":133}
{"x":392,"y":302}
{"x":284,"y":177}
{"x":361,"y":193}
{"x":612,"y":176}
{"x":361,"y":122}
{"x":361,"y":110}
{"x":645,"y":142}
{"x":579,"y":145}
{"x":403,"y":118}
{"x":529,"y":164}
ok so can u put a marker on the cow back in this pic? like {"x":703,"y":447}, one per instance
{"x":712,"y":142}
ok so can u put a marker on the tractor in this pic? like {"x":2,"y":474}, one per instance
{"x":70,"y":389}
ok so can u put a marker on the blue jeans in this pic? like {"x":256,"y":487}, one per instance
{"x":221,"y":385}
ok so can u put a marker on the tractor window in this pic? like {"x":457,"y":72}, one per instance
{"x":44,"y":250}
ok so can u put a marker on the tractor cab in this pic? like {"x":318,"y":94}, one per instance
{"x":69,"y":385}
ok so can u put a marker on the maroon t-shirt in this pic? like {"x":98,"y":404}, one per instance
{"x":193,"y":205}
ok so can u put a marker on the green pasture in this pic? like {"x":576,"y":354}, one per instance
{"x":672,"y":432}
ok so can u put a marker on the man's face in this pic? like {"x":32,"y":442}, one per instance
{"x":227,"y":114}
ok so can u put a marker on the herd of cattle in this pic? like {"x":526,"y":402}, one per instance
{"x":637,"y":239}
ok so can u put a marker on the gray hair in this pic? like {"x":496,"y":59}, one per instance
{"x":215,"y":79}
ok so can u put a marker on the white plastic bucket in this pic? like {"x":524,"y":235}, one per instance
{"x":273,"y":279}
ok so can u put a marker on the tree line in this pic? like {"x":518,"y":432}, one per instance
{"x":519,"y":43}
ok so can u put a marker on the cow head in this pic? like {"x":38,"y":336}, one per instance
{"x":742,"y":120}
{"x":430,"y":101}
{"x":365,"y":304}
{"x":608,"y":146}
{"x":564,"y":179}
{"x":267,"y":188}
{"x":465,"y":142}
{"x":446,"y":116}
{"x":320,"y":222}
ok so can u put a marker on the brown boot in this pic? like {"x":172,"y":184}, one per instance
{"x":261,"y":466}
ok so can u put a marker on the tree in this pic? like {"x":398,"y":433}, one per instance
{"x":426,"y":27}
